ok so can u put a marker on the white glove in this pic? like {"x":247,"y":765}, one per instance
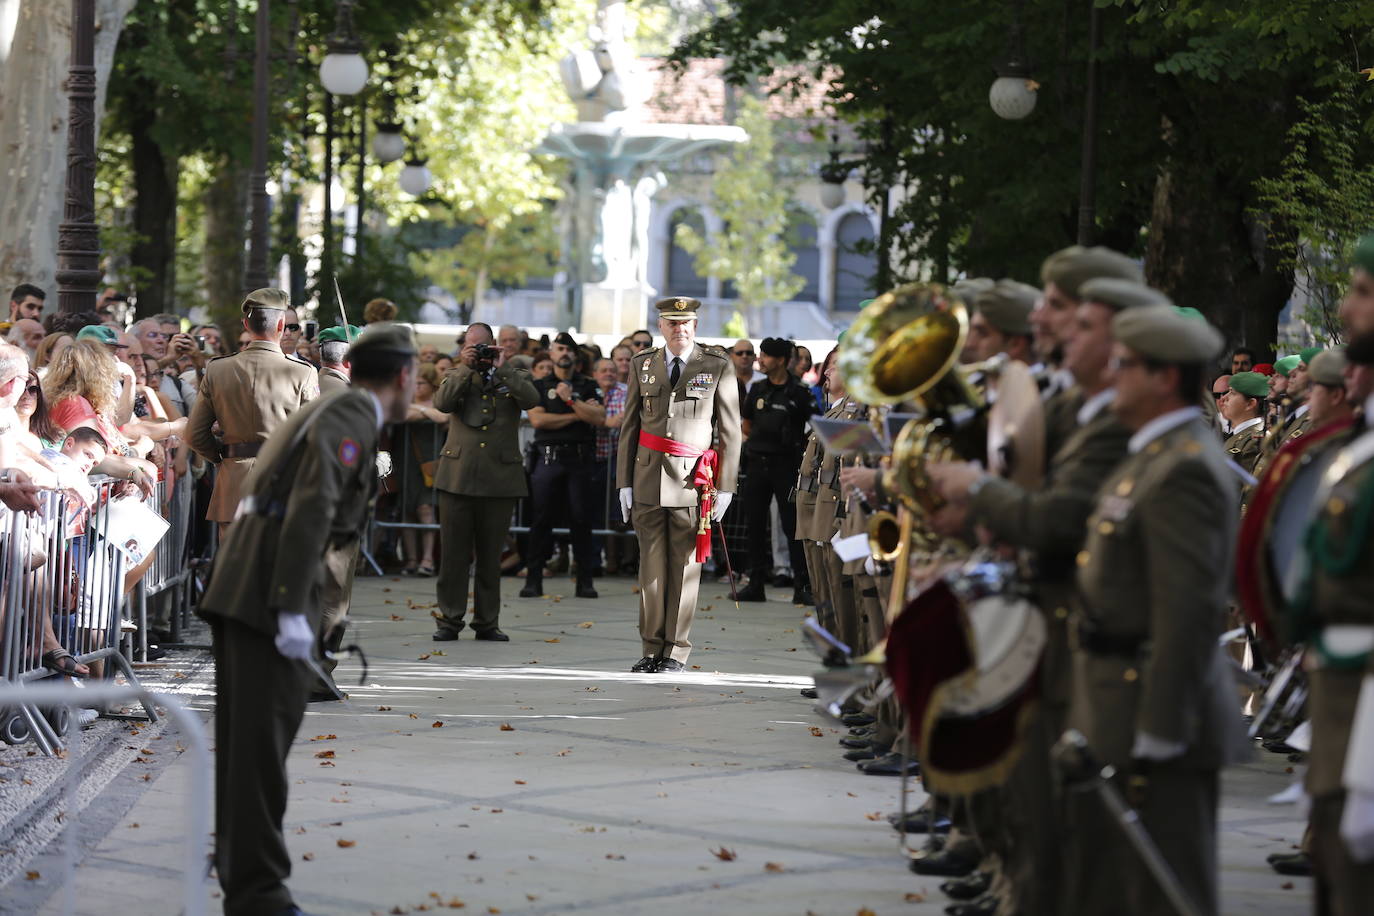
{"x":295,"y":639}
{"x":720,"y":505}
{"x":627,"y":499}
{"x":1148,"y":747}
{"x":383,"y":464}
{"x":1357,"y":826}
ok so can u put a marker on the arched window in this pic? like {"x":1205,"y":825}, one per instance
{"x":801,"y":241}
{"x":856,"y":264}
{"x":683,"y":279}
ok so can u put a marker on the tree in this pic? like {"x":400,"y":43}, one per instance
{"x":751,"y":249}
{"x":486,"y":257}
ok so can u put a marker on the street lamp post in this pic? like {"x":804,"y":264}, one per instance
{"x":1087,"y":173}
{"x":255,"y":277}
{"x":78,"y":237}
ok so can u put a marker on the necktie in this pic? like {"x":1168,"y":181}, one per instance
{"x":676,"y":372}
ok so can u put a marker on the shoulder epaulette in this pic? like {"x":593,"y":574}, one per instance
{"x":715,"y":350}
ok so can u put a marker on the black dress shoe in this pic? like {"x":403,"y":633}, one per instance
{"x":669,"y":666}
{"x":585,"y":588}
{"x":802,"y":597}
{"x":534,"y":586}
{"x":970,"y":887}
{"x":445,"y":634}
{"x":646,"y":665}
{"x":857,"y":719}
{"x":810,"y":693}
{"x":492,"y":635}
{"x":985,"y":905}
{"x":1296,"y":863}
{"x":782,"y":580}
{"x":751,"y":592}
{"x":856,"y":743}
{"x":920,"y":822}
{"x":862,"y":731}
{"x":891,"y":764}
{"x":864,"y":753}
{"x":942,"y":864}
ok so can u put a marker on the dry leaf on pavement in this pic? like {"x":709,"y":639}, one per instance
{"x":347,"y":844}
{"x":725,"y":855}
{"x":773,"y":866}
{"x":507,"y":727}
{"x":436,"y":724}
{"x":817,"y":732}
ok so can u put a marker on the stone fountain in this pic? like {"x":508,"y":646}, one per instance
{"x":616,"y":159}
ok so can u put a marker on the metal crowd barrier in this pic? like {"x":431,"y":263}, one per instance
{"x":170,"y":578}
{"x":62,"y":586}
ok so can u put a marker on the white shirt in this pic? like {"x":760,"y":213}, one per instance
{"x":1248,"y":424}
{"x":1301,"y":410}
{"x":1161,"y":425}
{"x":1093,"y":405}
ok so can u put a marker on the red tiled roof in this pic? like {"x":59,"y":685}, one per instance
{"x":698,"y":94}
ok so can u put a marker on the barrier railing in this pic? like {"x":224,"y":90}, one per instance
{"x":170,"y":579}
{"x":63,"y":578}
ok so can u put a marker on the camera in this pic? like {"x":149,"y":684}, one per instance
{"x":486,"y":353}
{"x":201,"y":345}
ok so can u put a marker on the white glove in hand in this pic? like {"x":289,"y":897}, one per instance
{"x":295,"y":639}
{"x":383,"y":464}
{"x":627,"y":499}
{"x":1148,"y":747}
{"x":720,"y":505}
{"x":1357,"y":826}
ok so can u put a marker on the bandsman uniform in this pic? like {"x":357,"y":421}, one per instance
{"x":249,"y":394}
{"x":826,"y":519}
{"x":677,"y":406}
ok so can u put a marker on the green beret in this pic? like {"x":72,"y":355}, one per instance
{"x":383,"y":337}
{"x":1007,"y":306}
{"x":339,"y":335}
{"x":1364,"y":253}
{"x":1286,"y":365}
{"x":1160,"y":333}
{"x":1307,"y":354}
{"x":1250,"y":384}
{"x":1187,"y":311}
{"x":1119,"y":294}
{"x":267,"y":298}
{"x":1328,"y":368}
{"x":1071,"y":267}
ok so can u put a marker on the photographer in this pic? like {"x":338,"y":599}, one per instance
{"x":479,"y":478}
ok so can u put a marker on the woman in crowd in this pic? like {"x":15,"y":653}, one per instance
{"x":424,"y":427}
{"x":48,"y":350}
{"x":543,"y":365}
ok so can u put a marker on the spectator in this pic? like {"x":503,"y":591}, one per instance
{"x":244,"y":340}
{"x":542,"y":366}
{"x":803,"y":365}
{"x":613,"y":391}
{"x":429,"y":353}
{"x":87,"y":370}
{"x":818,"y":390}
{"x":214,"y":340}
{"x":307,"y":351}
{"x":26,"y":334}
{"x":421,"y":447}
{"x":26,"y":301}
{"x":442,"y":365}
{"x":34,"y":423}
{"x":513,"y":342}
{"x":742,"y":358}
{"x":620,"y":355}
{"x":379,"y":310}
{"x":291,"y":337}
{"x":161,"y":341}
{"x":1242,"y":360}
{"x":641,"y":340}
{"x":48,"y":350}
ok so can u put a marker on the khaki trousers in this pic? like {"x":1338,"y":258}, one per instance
{"x":472,"y":531}
{"x":669,"y":577}
{"x":259,"y":703}
{"x":336,"y":595}
{"x":1344,"y":886}
{"x":820,"y":585}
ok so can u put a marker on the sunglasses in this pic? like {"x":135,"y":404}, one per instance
{"x":32,"y":389}
{"x":153,"y":335}
{"x":294,"y":328}
{"x":743,"y":352}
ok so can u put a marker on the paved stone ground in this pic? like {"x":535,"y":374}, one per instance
{"x":539,"y":776}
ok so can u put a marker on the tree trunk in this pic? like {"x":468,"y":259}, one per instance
{"x":155,"y":217}
{"x":226,"y":230}
{"x":33,"y":129}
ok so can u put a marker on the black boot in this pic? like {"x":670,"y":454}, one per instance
{"x":584,"y":586}
{"x":802,"y":597}
{"x":753,"y":591}
{"x":534,"y":584}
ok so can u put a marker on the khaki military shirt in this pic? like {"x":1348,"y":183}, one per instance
{"x":332,"y":380}
{"x":824,"y":522}
{"x":1061,"y":418}
{"x":481,"y":456}
{"x":249,"y":395}
{"x":1244,"y":447}
{"x":309,"y":489}
{"x":701,"y":411}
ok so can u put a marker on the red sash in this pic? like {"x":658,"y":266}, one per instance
{"x":703,"y":478}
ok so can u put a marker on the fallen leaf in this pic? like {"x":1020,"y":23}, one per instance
{"x":324,"y":755}
{"x":915,"y":898}
{"x":133,"y":826}
{"x":384,"y":709}
{"x":472,"y":856}
{"x":773,"y":866}
{"x":555,"y":639}
{"x":493,"y":910}
{"x":437,"y":652}
{"x":397,"y":617}
{"x":326,"y":763}
{"x":308,"y":856}
{"x":498,"y":810}
{"x":455,"y":904}
{"x":1287,"y":885}
{"x":507,"y":727}
{"x":32,"y":875}
{"x":874,"y":815}
{"x":817,"y":732}
{"x":865,"y":911}
{"x":520,"y":782}
{"x":340,"y":801}
{"x":347,"y":844}
{"x":565,"y":752}
{"x":412,"y":715}
{"x":436,"y":724}
{"x":325,"y":738}
{"x":725,"y":855}
{"x":531,"y":897}
{"x":851,"y":795}
{"x":585,"y":625}
{"x":423,"y":657}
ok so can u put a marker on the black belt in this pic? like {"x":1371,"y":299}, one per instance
{"x":564,"y":451}
{"x":242,"y":450}
{"x":1099,"y":643}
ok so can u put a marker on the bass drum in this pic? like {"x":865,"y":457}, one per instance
{"x":1269,"y":567}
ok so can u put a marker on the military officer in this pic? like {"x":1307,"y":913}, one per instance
{"x":479,"y":479}
{"x":334,"y":358}
{"x":682,"y":399}
{"x":249,"y":394}
{"x":308,"y":491}
{"x":1152,"y":691}
{"x":1243,"y":407}
{"x":774,"y":414}
{"x":1326,"y":393}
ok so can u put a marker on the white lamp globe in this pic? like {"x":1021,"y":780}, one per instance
{"x":832,"y":195}
{"x":416,"y":178}
{"x":388,"y":145}
{"x":1012,"y":97}
{"x":343,"y":74}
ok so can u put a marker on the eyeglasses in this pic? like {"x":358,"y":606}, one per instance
{"x":642,"y":344}
{"x":32,"y":389}
{"x":743,"y":352}
{"x":294,"y":328}
{"x":153,"y":335}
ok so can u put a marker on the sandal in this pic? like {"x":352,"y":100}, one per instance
{"x":60,"y":661}
{"x":426,"y":571}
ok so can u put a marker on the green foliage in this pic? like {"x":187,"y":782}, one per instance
{"x":382,"y":268}
{"x":751,"y":251}
{"x":487,"y":257}
{"x":1324,"y":191}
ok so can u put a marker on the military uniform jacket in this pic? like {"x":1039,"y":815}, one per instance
{"x":1154,"y":575}
{"x":249,"y":394}
{"x":332,"y":380}
{"x":481,"y":456}
{"x":1244,"y":447}
{"x":807,"y":483}
{"x":1341,"y":553}
{"x":1061,"y":418}
{"x":308,"y":490}
{"x":703,"y":406}
{"x":824,"y":523}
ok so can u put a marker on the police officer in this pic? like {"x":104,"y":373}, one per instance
{"x":479,"y":478}
{"x":308,"y":492}
{"x":334,"y":358}
{"x":774,"y":414}
{"x":566,"y":416}
{"x":249,"y":394}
